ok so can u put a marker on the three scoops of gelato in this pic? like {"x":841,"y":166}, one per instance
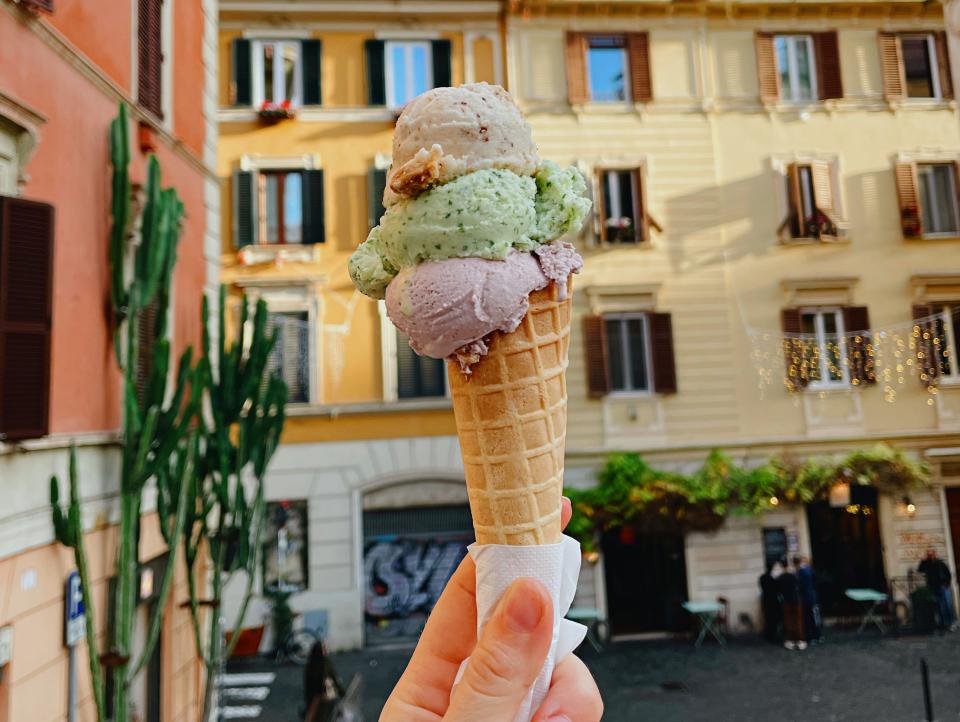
{"x":472,"y":223}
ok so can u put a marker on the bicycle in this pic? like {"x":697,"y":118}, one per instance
{"x":296,"y":646}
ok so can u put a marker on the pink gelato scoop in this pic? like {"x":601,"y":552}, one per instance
{"x":450,"y":306}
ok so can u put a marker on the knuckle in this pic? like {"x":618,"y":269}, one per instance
{"x":494,"y":672}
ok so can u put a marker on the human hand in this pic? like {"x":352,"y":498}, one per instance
{"x":503,"y":665}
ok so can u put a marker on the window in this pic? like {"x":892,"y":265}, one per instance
{"x":150,"y":56}
{"x":628,"y":346}
{"x":285,"y":546}
{"x":938,"y":198}
{"x":418,"y":377}
{"x":795,"y":66}
{"x":629,"y":353}
{"x":9,"y":159}
{"x":607,"y":69}
{"x":825,"y":348}
{"x":278,"y":206}
{"x":920,"y":66}
{"x":811,"y":201}
{"x":291,"y":357}
{"x":281,"y":198}
{"x":946,"y":328}
{"x":621,"y":210}
{"x":277,"y":71}
{"x":915,"y":65}
{"x":798,"y":68}
{"x":409,"y":71}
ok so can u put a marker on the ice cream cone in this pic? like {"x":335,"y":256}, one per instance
{"x":511,"y":415}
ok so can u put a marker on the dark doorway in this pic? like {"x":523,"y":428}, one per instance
{"x":953,"y":510}
{"x":846,"y":550}
{"x":646,"y":578}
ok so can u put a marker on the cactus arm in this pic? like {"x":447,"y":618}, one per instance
{"x":174,"y":547}
{"x":120,"y":210}
{"x":257,"y":525}
{"x":86,"y":585}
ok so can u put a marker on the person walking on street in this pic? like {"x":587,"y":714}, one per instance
{"x":938,"y":581}
{"x":808,"y":599}
{"x":322,"y":688}
{"x":793,"y":636}
{"x":771,"y":602}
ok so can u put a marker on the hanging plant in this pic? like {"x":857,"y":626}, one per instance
{"x":635,"y":498}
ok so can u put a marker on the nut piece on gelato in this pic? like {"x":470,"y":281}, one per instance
{"x":370,"y":272}
{"x":449,"y":132}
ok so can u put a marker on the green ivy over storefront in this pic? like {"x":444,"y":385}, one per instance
{"x":632,"y":494}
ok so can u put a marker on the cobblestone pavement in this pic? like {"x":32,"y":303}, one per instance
{"x":848,"y":678}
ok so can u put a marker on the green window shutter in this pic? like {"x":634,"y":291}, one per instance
{"x":310,"y":53}
{"x":244,"y":209}
{"x":242,"y":73}
{"x":313,"y":215}
{"x":442,"y":74}
{"x":418,"y":377}
{"x":376,"y":73}
{"x":376,"y":185}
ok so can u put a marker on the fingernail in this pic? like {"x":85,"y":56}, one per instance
{"x":524,"y":611}
{"x":559,"y":718}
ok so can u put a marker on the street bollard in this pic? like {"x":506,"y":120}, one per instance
{"x":925,"y":677}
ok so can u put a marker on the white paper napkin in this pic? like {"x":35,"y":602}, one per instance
{"x":557,"y":567}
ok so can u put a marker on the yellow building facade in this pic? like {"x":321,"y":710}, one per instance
{"x":370,"y":445}
{"x":758,"y":171}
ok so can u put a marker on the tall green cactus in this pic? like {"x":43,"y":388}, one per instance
{"x":158,"y":439}
{"x":240,"y":435}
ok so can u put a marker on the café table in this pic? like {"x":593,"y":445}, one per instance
{"x":870,"y":599}
{"x":709,"y":615}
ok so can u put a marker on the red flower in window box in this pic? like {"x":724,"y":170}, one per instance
{"x":275,"y":112}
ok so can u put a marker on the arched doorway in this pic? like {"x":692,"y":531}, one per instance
{"x":414,"y":535}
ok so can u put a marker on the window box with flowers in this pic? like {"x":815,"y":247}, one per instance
{"x":275,"y":112}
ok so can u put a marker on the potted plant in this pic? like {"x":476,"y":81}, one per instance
{"x":275,"y":112}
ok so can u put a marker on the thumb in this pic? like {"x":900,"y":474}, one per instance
{"x":507,"y":659}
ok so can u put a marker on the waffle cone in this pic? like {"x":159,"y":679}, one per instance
{"x":511,"y":415}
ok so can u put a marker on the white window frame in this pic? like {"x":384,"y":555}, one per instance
{"x":256,"y":61}
{"x":625,"y":354}
{"x":946,"y":312}
{"x":627,"y":86}
{"x":934,"y":66}
{"x":825,"y":382}
{"x":408,"y":46}
{"x":793,"y":68}
{"x":605,"y":176}
{"x":953,"y":195}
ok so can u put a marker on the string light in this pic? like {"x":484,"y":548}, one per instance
{"x":892,"y":357}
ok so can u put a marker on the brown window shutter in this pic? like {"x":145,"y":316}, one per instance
{"x":150,"y":56}
{"x":595,"y":347}
{"x":856,"y":325}
{"x":662,"y":354}
{"x":641,"y":81}
{"x":891,"y":66}
{"x":26,"y":298}
{"x":823,"y":190}
{"x":928,"y":360}
{"x":767,"y":76}
{"x":794,"y":217}
{"x":647,"y":221}
{"x":577,"y":91}
{"x":829,"y":80}
{"x":911,"y":220}
{"x":943,"y":65}
{"x":794,"y":350}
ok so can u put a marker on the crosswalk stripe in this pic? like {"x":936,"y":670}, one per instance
{"x":257,"y":694}
{"x":241,"y":680}
{"x":246,"y":712}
